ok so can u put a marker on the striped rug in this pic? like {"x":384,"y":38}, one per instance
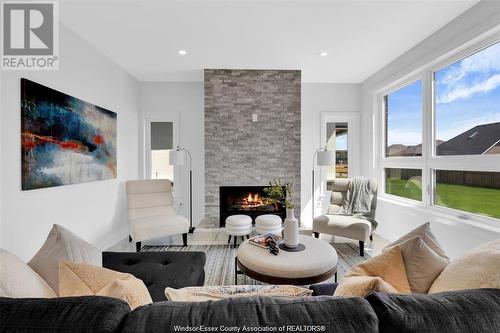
{"x":219,"y":267}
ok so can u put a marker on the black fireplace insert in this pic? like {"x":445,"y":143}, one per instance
{"x":247,"y":200}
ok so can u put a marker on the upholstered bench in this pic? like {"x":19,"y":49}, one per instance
{"x":159,"y":270}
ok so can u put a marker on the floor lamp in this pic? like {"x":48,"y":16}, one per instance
{"x":178,"y":157}
{"x":322,"y":157}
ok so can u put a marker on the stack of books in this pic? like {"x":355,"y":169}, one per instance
{"x":260,"y":240}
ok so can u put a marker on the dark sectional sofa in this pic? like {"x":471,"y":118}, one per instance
{"x":475,"y":310}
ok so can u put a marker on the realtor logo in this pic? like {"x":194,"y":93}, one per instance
{"x":29,"y":36}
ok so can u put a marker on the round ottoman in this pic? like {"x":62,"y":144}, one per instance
{"x":317,"y":263}
{"x":238,"y":225}
{"x":268,"y":223}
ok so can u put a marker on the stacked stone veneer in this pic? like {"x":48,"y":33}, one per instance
{"x":239,"y":151}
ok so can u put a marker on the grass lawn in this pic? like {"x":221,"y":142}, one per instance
{"x":480,"y":200}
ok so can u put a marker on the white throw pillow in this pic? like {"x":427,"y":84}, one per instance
{"x":479,"y":268}
{"x":62,"y":244}
{"x":18,"y":280}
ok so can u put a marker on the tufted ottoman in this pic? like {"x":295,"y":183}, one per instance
{"x":268,"y":223}
{"x":159,"y":270}
{"x":238,"y":225}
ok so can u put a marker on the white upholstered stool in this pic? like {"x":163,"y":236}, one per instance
{"x":238,"y":225}
{"x":268,"y":223}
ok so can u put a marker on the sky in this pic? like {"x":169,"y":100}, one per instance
{"x":467,"y":94}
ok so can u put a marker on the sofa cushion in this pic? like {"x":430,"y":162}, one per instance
{"x":475,"y":310}
{"x":479,"y":268}
{"x":335,"y":314}
{"x":78,"y":279}
{"x":62,"y":244}
{"x":159,"y":270}
{"x":65,"y":314}
{"x":17,"y":279}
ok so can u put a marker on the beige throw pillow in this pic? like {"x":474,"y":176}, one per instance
{"x":422,"y":264}
{"x":362,"y":285}
{"x":385,"y":272}
{"x":78,"y":279}
{"x":18,"y":280}
{"x":212,"y":293}
{"x":479,"y":268}
{"x":423,"y":257}
{"x":424,"y":232}
{"x":62,"y":244}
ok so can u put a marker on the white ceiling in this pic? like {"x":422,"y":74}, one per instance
{"x":361,"y":37}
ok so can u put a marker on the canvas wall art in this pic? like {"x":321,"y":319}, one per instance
{"x":64,"y":140}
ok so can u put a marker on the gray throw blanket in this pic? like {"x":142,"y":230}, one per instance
{"x":360,"y":196}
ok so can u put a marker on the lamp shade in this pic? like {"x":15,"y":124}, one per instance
{"x":326,"y":157}
{"x":176,"y":157}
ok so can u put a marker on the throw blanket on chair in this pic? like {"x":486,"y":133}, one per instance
{"x":360,"y":200}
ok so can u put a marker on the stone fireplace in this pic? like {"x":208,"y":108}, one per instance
{"x":252,"y":132}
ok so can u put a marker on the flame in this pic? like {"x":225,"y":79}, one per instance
{"x":253,"y":200}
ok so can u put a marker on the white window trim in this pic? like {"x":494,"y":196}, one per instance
{"x":145,"y":144}
{"x":353,"y":139}
{"x":429,"y":162}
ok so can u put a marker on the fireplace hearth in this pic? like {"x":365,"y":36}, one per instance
{"x":246,"y":200}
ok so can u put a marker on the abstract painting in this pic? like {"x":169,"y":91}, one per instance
{"x":64,"y":140}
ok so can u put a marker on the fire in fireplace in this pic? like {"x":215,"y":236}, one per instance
{"x":248,"y":200}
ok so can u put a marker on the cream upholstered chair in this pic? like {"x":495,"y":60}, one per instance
{"x":151,"y":212}
{"x":359,"y":228}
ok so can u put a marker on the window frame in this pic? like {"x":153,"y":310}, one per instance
{"x":171,"y":117}
{"x":430,"y":161}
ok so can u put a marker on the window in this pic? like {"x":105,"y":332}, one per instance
{"x":161,"y":145}
{"x":467,"y":105}
{"x":337,"y":134}
{"x":470,"y":191}
{"x":403,"y":121}
{"x":406,"y":183}
{"x":455,"y":109}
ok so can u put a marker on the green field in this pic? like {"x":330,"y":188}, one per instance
{"x":480,"y":200}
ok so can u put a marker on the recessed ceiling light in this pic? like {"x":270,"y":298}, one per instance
{"x":323,"y":54}
{"x":182,"y":52}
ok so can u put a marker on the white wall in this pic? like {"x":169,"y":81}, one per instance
{"x":185,"y":98}
{"x":317,"y":98}
{"x":95,"y":211}
{"x":457,"y":236}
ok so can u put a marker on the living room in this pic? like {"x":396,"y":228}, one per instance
{"x":151,"y":145}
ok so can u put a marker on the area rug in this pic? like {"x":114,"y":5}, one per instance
{"x":219,"y":267}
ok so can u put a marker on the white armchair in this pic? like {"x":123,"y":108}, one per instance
{"x":151,"y":212}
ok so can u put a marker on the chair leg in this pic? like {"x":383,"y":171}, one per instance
{"x":184,"y":239}
{"x":138,"y":247}
{"x":371,"y":238}
{"x":316,"y":234}
{"x":129,"y":238}
{"x":229,"y":240}
{"x":361,"y":248}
